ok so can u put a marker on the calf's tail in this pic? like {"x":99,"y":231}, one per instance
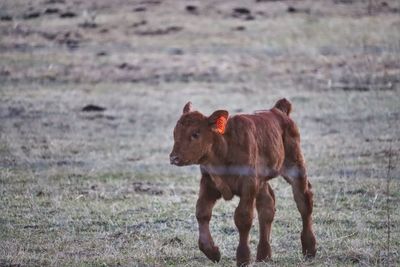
{"x":284,"y":105}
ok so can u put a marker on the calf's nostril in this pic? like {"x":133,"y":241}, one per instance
{"x":174,"y":159}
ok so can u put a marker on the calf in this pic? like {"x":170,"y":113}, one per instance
{"x":237,"y":156}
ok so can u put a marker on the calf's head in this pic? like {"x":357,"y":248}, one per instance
{"x":194,"y":135}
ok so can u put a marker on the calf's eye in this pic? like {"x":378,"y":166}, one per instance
{"x":195,"y":135}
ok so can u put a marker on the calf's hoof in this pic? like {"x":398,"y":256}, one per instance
{"x":242,"y":256}
{"x":308,"y":245}
{"x":309,"y":254}
{"x":263,"y":252}
{"x":212,"y":252}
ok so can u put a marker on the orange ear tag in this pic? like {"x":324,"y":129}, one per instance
{"x":221,"y":123}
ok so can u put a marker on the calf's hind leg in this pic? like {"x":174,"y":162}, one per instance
{"x":265,"y":204}
{"x":207,"y":197}
{"x":294,"y":172}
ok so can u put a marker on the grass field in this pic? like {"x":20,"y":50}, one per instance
{"x":96,"y":189}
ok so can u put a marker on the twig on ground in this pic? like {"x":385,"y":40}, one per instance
{"x":344,"y":237}
{"x":388,"y":206}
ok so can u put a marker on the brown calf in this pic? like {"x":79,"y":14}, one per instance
{"x":237,"y":156}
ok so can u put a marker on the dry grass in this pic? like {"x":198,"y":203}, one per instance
{"x":96,"y":189}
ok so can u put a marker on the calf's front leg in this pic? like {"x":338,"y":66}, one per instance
{"x":207,"y":197}
{"x":243,"y":220}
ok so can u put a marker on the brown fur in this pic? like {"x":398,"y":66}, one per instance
{"x":253,"y":149}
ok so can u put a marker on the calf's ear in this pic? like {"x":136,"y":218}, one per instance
{"x":218,"y":120}
{"x":187,"y":108}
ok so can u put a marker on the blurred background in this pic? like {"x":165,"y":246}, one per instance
{"x":90,"y":91}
